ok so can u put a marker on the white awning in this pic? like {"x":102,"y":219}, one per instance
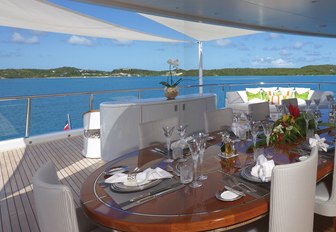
{"x":289,"y":16}
{"x":45,"y":16}
{"x":200,"y":31}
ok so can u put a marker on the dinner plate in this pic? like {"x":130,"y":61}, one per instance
{"x":227,"y":196}
{"x":246,"y":174}
{"x":121,"y":187}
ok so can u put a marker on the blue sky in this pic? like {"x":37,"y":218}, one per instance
{"x":32,"y":49}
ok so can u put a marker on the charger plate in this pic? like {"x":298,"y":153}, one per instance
{"x":121,"y":187}
{"x":246,"y":174}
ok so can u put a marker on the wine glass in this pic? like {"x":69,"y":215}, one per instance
{"x":330,"y":99}
{"x":195,"y":155}
{"x":317,"y":103}
{"x":254,"y":132}
{"x":181,"y":130}
{"x":201,"y":140}
{"x":235,"y":126}
{"x":280,"y":110}
{"x":267,"y":127}
{"x":168,"y":132}
{"x":316,"y":116}
{"x":307,"y":116}
{"x":308,"y":103}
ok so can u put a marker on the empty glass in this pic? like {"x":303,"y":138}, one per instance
{"x":317,"y":102}
{"x":201,"y":140}
{"x":308,"y":103}
{"x":181,"y":130}
{"x":267,"y":127}
{"x":254,"y":132}
{"x":280,"y":110}
{"x":168,"y":132}
{"x":195,"y":155}
{"x":316,"y":116}
{"x":330,"y":99}
{"x":307,"y":117}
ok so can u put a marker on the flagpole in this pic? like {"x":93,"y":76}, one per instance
{"x":69,"y":122}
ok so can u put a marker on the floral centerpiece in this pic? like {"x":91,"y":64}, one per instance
{"x":171,"y":90}
{"x":289,"y":127}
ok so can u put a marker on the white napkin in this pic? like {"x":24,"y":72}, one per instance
{"x":263,"y":168}
{"x":319,"y":142}
{"x":141,"y":177}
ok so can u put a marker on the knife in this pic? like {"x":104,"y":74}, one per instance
{"x":235,"y":191}
{"x":151,"y":195}
{"x":152,"y":192}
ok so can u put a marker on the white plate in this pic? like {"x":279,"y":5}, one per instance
{"x":227,"y":196}
{"x":246,"y":174}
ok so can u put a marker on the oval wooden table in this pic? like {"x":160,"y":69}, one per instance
{"x":187,"y":209}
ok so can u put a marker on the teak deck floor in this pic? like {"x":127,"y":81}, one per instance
{"x":17,"y":211}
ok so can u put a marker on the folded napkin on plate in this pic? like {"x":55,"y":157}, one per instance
{"x":146,"y":175}
{"x":263,"y":168}
{"x":319,"y":142}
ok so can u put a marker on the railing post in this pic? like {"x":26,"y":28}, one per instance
{"x":91,"y":102}
{"x":139,"y":94}
{"x":28,"y":117}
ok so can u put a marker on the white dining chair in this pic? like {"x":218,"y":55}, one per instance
{"x":54,"y":204}
{"x":151,"y":132}
{"x":217,"y":119}
{"x":325,"y":197}
{"x":291,"y":198}
{"x":259,"y":111}
{"x":292,"y":101}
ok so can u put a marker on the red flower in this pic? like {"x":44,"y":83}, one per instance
{"x":294,"y":111}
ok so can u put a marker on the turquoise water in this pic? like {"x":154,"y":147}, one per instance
{"x":50,"y":114}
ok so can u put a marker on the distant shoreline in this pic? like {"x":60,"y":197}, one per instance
{"x":71,"y":72}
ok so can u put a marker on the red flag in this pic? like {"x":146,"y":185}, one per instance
{"x":67,"y":125}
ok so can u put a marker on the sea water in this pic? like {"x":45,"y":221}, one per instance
{"x":49,"y":114}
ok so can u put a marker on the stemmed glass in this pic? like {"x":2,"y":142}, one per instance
{"x":195,"y":155}
{"x":317,"y":103}
{"x":236,"y":121}
{"x":316,"y":116}
{"x":280,"y":110}
{"x":254,"y":132}
{"x":168,"y":132}
{"x":181,"y":130}
{"x":330,"y":99}
{"x":267,"y":127}
{"x":307,"y":116}
{"x":308,"y":103}
{"x":201,"y":140}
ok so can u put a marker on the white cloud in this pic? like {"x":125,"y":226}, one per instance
{"x":78,"y":40}
{"x":223,"y":42}
{"x":284,"y":52}
{"x":18,"y":38}
{"x":270,"y":62}
{"x":298,"y":45}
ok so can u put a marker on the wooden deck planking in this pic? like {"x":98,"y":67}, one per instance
{"x":17,"y":212}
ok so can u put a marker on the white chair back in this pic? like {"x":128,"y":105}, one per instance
{"x":259,"y":111}
{"x":215,"y":120}
{"x":151,"y":132}
{"x":54,"y":202}
{"x":292,"y":101}
{"x":292,"y":195}
{"x":325,"y":198}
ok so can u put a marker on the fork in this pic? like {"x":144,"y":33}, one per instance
{"x":131,"y":177}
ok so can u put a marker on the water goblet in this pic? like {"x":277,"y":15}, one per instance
{"x":280,"y":110}
{"x":317,"y":103}
{"x":330,"y":99}
{"x":267,"y":127}
{"x":236,"y":121}
{"x":181,"y":130}
{"x":316,"y":116}
{"x":308,"y":103}
{"x":195,"y":156}
{"x":254,"y":132}
{"x":307,"y":117}
{"x":168,"y":132}
{"x":201,"y":140}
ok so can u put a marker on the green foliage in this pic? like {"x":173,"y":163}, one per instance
{"x":75,"y":72}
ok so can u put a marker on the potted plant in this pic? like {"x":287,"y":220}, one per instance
{"x":171,"y":86}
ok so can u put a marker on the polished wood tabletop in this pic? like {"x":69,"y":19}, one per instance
{"x":189,"y":209}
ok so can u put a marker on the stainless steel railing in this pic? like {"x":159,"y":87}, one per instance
{"x":139,"y":91}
